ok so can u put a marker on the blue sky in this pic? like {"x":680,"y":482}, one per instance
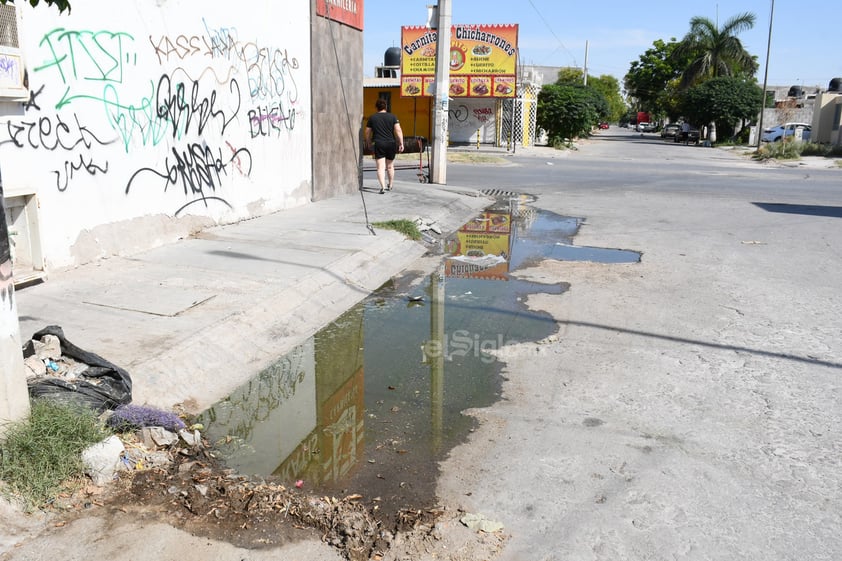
{"x":806,"y":37}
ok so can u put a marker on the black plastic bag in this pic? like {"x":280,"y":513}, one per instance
{"x":101,"y":386}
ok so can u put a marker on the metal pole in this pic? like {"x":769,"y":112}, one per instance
{"x":765,"y":76}
{"x":438,"y":173}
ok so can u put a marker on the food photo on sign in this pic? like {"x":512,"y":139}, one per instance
{"x":482,"y":60}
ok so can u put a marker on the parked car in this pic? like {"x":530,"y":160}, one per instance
{"x":690,"y":137}
{"x":603,"y":125}
{"x":645,"y":127}
{"x":776,"y":133}
{"x":670,"y":130}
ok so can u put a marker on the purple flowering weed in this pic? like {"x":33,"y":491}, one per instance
{"x":132,"y":417}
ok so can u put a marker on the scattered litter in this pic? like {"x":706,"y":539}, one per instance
{"x":425,"y":224}
{"x":69,"y":374}
{"x":753,"y":242}
{"x":103,"y":460}
{"x":481,"y":523}
{"x":416,"y":298}
{"x":133,"y":417}
{"x":299,"y":484}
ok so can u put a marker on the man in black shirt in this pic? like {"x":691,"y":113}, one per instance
{"x":383,"y":131}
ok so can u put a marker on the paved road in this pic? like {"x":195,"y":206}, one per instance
{"x":688,"y":407}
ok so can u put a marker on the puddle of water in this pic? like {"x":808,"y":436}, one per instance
{"x":374,"y":401}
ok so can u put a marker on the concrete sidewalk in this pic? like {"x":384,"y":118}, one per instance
{"x":192,"y":321}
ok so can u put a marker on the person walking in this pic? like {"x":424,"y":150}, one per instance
{"x":383,"y":135}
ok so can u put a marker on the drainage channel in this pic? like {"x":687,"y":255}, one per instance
{"x":375,"y":400}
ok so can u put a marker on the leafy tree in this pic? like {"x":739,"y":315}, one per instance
{"x":726,"y":101}
{"x":715,"y":51}
{"x":652,"y":81}
{"x":609,"y":87}
{"x":62,"y":5}
{"x":606,"y":85}
{"x":569,"y":110}
{"x":570,"y":75}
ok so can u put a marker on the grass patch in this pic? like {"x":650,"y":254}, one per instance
{"x":473,"y":158}
{"x":406,"y":227}
{"x":41,"y":456}
{"x":457,"y":157}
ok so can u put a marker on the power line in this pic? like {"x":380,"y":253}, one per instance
{"x":540,"y":15}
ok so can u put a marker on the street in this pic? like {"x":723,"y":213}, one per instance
{"x":687,"y":407}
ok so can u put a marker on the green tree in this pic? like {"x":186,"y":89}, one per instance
{"x":606,"y":85}
{"x":715,"y":51}
{"x":609,"y":87}
{"x":62,"y":5}
{"x":652,"y":81}
{"x":726,"y":101}
{"x":570,"y":75}
{"x":566,"y":111}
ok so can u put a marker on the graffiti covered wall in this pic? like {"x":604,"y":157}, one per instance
{"x":473,"y":119}
{"x":146,"y":120}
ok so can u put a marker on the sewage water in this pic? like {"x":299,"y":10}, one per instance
{"x":375,"y":400}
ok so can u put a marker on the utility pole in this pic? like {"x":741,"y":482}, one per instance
{"x":585,"y":72}
{"x":765,"y":76}
{"x":441,"y":105}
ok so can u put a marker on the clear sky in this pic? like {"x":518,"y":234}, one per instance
{"x":806,"y":36}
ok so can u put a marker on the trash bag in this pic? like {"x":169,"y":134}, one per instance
{"x":100,"y":386}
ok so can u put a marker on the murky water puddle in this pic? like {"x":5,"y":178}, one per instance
{"x":375,"y":400}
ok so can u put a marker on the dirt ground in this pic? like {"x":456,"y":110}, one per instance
{"x":196,"y":496}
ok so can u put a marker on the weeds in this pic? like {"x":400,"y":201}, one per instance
{"x":41,"y":454}
{"x":779,"y":151}
{"x":788,"y":150}
{"x":406,"y":227}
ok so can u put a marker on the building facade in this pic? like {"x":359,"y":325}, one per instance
{"x":125,"y":126}
{"x":123,"y":129}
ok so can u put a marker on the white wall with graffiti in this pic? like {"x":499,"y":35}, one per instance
{"x":146,"y":118}
{"x":472,"y":118}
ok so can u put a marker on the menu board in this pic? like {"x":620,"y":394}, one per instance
{"x":482,"y":60}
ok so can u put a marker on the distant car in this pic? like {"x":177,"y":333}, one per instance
{"x":645,"y":127}
{"x":776,"y":133}
{"x":603,"y":125}
{"x":670,"y":130}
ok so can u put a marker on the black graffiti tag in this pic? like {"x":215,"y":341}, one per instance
{"x":48,"y":135}
{"x":63,"y":177}
{"x":174,"y":105}
{"x":198,"y":169}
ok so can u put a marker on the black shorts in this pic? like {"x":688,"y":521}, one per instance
{"x":385,"y":150}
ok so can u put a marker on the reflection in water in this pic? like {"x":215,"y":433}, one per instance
{"x":375,"y":400}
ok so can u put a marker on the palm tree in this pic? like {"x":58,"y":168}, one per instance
{"x":714,"y":51}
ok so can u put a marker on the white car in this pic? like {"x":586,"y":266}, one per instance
{"x":776,"y":133}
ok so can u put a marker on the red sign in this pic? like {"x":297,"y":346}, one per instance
{"x":349,"y":12}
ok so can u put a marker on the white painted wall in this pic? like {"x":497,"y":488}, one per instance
{"x":468,"y":116}
{"x":149,"y":116}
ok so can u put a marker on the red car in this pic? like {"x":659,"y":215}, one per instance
{"x":603,"y":125}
